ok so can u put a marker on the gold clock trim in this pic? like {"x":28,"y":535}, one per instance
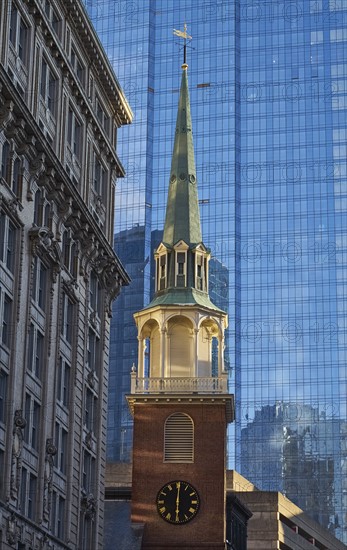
{"x":178,"y":502}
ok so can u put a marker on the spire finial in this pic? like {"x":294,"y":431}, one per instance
{"x":183,"y":34}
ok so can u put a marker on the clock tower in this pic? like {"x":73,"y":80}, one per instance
{"x":179,"y":396}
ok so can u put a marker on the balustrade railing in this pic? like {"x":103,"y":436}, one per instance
{"x":180,"y":385}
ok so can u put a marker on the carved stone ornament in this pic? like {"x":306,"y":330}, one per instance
{"x":37,"y":165}
{"x":109,"y":276}
{"x":19,"y":424}
{"x":12,"y":206}
{"x":71,"y":286}
{"x":65,"y":211}
{"x":88,"y":504}
{"x":91,"y":379}
{"x":89,"y":440}
{"x":12,"y":530}
{"x":44,"y":542}
{"x":17,"y":132}
{"x":51,"y":451}
{"x":6,"y":113}
{"x":43,"y":243}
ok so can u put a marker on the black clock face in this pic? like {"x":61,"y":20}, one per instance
{"x":178,"y":502}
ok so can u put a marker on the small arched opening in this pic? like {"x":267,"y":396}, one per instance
{"x":179,"y":438}
{"x":180,"y":347}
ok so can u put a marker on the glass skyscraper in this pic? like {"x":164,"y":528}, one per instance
{"x":268,"y":90}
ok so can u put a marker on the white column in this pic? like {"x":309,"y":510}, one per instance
{"x":163,"y":333}
{"x":141,"y":353}
{"x":220,"y":355}
{"x":196,"y":353}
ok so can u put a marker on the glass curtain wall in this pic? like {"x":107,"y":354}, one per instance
{"x":268,"y":90}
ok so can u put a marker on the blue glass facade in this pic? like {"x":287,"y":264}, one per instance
{"x":268,"y":90}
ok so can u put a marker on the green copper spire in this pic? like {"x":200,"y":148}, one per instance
{"x":181,"y":258}
{"x":182,"y":220}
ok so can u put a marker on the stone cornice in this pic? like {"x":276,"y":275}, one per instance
{"x":227,"y":400}
{"x":86,"y":33}
{"x":102,"y":69}
{"x":97,"y":55}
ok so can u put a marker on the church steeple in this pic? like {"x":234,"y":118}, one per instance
{"x":181,"y":322}
{"x":182,"y":260}
{"x":182,"y":220}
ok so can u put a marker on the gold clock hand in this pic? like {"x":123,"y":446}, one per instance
{"x":178,"y":485}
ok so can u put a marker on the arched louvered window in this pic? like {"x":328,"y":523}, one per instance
{"x":179,"y":438}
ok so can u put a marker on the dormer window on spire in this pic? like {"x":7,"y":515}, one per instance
{"x":161,"y":260}
{"x":181,"y":249}
{"x":163,"y":271}
{"x":201,"y":270}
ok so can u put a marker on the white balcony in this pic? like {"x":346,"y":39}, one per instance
{"x":179,"y":385}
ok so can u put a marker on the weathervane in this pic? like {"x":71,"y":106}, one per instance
{"x":183,"y":34}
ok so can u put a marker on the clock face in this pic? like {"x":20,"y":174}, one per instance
{"x":178,"y":502}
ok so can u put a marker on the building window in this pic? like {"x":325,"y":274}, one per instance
{"x":70,"y":254}
{"x":88,"y":475}
{"x":40,"y":279}
{"x":23,"y":490}
{"x":67,"y":318}
{"x":74,"y":133}
{"x":77,"y":64}
{"x":100,"y":177}
{"x":11,"y":171}
{"x":16,"y":177}
{"x":87,"y":533}
{"x":35,"y":351}
{"x":95,"y":294}
{"x":5,"y":160}
{"x":63,"y":382}
{"x":61,"y":436}
{"x":58,"y":515}
{"x":53,"y":17}
{"x":200,"y":270}
{"x":93,"y":350}
{"x":161,"y":266}
{"x":19,"y":34}
{"x":7,"y":242}
{"x":6,"y":319}
{"x":3,"y":481}
{"x":32,"y":416}
{"x":101,"y":115}
{"x":28,"y":493}
{"x":48,"y":87}
{"x":38,"y":208}
{"x":90,"y":410}
{"x":179,"y":438}
{"x":181,"y":269}
{"x":3,"y":395}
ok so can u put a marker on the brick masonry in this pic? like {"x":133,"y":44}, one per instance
{"x":206,"y":474}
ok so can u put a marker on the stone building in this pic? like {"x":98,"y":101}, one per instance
{"x":255,"y":520}
{"x":275,"y":522}
{"x":60,"y":109}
